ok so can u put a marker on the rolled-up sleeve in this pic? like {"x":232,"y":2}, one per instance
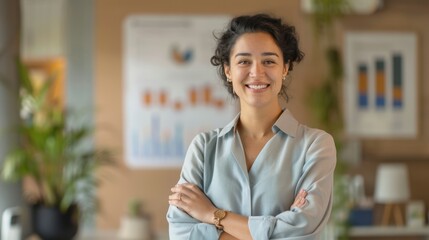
{"x":317,"y":179}
{"x":181,"y":225}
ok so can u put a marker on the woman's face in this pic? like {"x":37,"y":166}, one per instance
{"x":256,"y":70}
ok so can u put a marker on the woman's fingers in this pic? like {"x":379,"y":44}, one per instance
{"x":300,"y":199}
{"x":182,"y":194}
{"x":302,"y":193}
{"x":189,"y":198}
{"x":185,"y":188}
{"x":178,"y":199}
{"x":175,"y":196}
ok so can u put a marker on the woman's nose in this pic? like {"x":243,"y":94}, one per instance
{"x":256,"y":70}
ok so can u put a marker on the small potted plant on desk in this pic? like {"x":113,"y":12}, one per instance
{"x":136,"y":224}
{"x":57,"y":158}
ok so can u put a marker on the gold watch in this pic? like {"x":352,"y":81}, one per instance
{"x":218,"y":215}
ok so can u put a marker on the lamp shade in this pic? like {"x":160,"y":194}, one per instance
{"x":391,"y":184}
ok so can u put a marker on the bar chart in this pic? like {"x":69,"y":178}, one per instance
{"x":380,"y":84}
{"x":171,"y":91}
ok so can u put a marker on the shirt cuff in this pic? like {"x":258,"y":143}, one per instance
{"x":261,"y":227}
{"x":204,"y":231}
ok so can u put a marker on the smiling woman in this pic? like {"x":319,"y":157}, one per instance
{"x":264,"y":175}
{"x":256,"y":70}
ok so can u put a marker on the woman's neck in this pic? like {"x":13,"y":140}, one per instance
{"x":257,"y":123}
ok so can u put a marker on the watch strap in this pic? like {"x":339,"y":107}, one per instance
{"x":218,"y":216}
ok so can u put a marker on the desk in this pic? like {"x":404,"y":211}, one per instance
{"x":390,"y":231}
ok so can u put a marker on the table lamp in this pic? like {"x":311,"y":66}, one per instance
{"x":392,"y":189}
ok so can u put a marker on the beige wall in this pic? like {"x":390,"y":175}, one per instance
{"x":153,"y":185}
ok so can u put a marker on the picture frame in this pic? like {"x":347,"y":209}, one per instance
{"x":415,"y":213}
{"x":171,"y":92}
{"x":380,"y":85}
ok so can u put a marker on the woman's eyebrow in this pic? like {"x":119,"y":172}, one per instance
{"x":242,"y":54}
{"x":269,"y":54}
{"x":263,"y":54}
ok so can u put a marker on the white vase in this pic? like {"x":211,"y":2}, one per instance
{"x":135,"y":228}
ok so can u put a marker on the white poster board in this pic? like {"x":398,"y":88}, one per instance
{"x":171,"y":91}
{"x":381,"y":84}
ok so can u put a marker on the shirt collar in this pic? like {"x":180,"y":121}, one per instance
{"x":231,"y":126}
{"x":285,"y":123}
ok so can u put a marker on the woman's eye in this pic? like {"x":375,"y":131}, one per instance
{"x":242,"y":62}
{"x":269,"y":62}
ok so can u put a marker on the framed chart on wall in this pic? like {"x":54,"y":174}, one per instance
{"x":381,"y":84}
{"x":171,"y":91}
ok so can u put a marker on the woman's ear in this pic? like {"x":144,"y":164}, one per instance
{"x":286,"y":69}
{"x":227,"y":70}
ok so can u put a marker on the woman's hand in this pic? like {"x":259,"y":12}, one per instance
{"x":189,"y":198}
{"x":300,"y":200}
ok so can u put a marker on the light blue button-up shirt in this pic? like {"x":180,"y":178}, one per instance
{"x":296,"y":157}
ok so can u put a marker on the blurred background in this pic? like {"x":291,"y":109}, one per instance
{"x":94,"y":54}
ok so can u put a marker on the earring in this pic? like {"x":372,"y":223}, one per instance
{"x":284,"y":78}
{"x":228,"y":80}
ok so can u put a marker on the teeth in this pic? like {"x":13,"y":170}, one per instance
{"x":258,"y":86}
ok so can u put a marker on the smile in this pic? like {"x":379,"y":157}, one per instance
{"x":259,"y":86}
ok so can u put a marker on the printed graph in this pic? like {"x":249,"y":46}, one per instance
{"x":167,"y":141}
{"x":386,"y":94}
{"x":197,"y":96}
{"x":380,"y":84}
{"x":171,"y":91}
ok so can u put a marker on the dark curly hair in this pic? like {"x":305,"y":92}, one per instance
{"x":283,"y":34}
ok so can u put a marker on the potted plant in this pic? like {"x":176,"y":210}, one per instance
{"x":326,"y":106}
{"x":136,"y":224}
{"x":55,"y":156}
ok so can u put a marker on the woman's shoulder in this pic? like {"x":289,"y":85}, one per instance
{"x":209,"y":135}
{"x":313,"y":133}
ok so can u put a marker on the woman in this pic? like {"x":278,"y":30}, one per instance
{"x":264,"y":175}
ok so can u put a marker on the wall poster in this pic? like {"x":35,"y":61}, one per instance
{"x":171,"y":91}
{"x":380,"y":84}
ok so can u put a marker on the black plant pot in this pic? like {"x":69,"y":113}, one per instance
{"x":52,"y":224}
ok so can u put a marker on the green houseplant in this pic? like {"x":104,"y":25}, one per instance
{"x":54,"y":155}
{"x":325,"y":103}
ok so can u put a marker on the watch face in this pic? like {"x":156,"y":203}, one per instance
{"x":220,"y":214}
